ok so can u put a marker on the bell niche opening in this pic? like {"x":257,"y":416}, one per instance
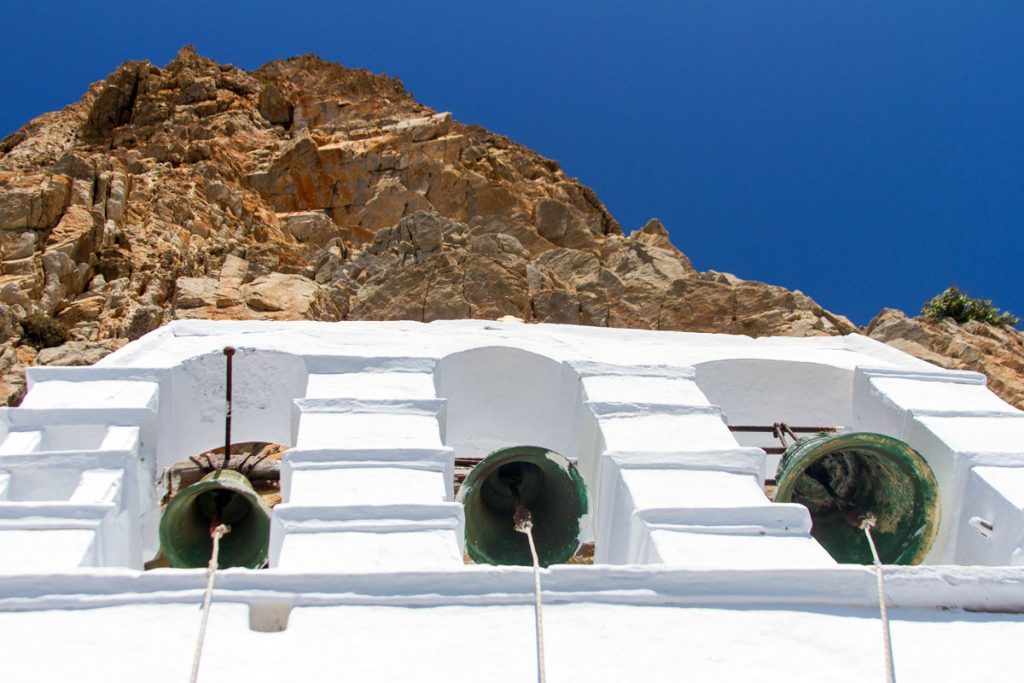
{"x":207,"y":490}
{"x":541,"y":481}
{"x":221,"y":497}
{"x":842,"y":478}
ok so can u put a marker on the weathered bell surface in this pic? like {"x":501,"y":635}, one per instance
{"x":842,"y":477}
{"x":185,"y":524}
{"x":547,"y":484}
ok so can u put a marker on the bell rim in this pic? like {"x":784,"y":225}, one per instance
{"x":213,"y":480}
{"x":808,"y":451}
{"x":474,"y":481}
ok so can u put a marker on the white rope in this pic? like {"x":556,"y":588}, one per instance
{"x":524,"y":525}
{"x":216,"y":533}
{"x":866,"y":524}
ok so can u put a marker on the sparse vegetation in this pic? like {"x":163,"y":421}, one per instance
{"x":42,"y":331}
{"x":957,"y":305}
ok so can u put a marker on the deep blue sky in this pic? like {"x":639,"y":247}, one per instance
{"x":868,"y":153}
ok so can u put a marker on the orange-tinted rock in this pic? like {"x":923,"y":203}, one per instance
{"x":307,"y":190}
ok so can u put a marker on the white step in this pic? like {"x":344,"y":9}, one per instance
{"x":361,"y":551}
{"x":97,"y":394}
{"x":371,"y":385}
{"x":685,"y":488}
{"x":348,"y":423}
{"x":46,"y":550}
{"x":366,"y":486}
{"x":666,"y":432}
{"x":367,"y":537}
{"x":642,"y":389}
{"x":704,"y":550}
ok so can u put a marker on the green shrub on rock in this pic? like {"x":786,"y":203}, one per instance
{"x":957,"y":305}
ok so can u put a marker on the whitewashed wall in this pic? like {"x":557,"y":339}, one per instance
{"x":375,"y":413}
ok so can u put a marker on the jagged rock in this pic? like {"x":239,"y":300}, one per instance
{"x":196,"y":90}
{"x":78,"y":352}
{"x":144,"y":319}
{"x":85,"y":309}
{"x":994,"y":350}
{"x":32,"y":201}
{"x":293,"y":296}
{"x":312,"y":227}
{"x":113,"y":106}
{"x":306,"y":190}
{"x":232,"y":275}
{"x":275,"y":108}
{"x":560,"y":224}
{"x":18,"y":244}
{"x":195,"y":292}
{"x":76,"y":235}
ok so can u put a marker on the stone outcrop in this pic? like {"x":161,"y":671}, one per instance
{"x":996,"y":351}
{"x":306,"y":190}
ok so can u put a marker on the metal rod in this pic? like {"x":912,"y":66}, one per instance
{"x":779,"y":434}
{"x":470,"y":462}
{"x":789,"y":430}
{"x":229,"y":352}
{"x":770,"y":429}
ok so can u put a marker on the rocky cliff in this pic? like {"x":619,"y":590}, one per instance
{"x":306,"y":190}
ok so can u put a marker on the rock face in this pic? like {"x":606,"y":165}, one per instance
{"x":998,"y":352}
{"x":306,"y":190}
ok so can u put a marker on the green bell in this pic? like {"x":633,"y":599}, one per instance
{"x":227,"y":495}
{"x":547,"y":484}
{"x":840,"y":478}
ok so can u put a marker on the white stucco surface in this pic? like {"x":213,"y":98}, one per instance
{"x":371,"y":385}
{"x":764,"y":548}
{"x":367,"y":485}
{"x":43,"y":550}
{"x":625,"y":644}
{"x":692,"y":489}
{"x":353,"y":551}
{"x":99,"y":394}
{"x":697,"y":575}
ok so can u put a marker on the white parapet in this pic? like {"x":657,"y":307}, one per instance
{"x":696,"y":574}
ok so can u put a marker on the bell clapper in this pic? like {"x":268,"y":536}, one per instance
{"x":523,"y":519}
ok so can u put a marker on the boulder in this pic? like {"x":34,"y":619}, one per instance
{"x":274,"y":107}
{"x":294,"y":297}
{"x":78,"y":352}
{"x":309,"y":227}
{"x":32,"y":201}
{"x":195,"y":292}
